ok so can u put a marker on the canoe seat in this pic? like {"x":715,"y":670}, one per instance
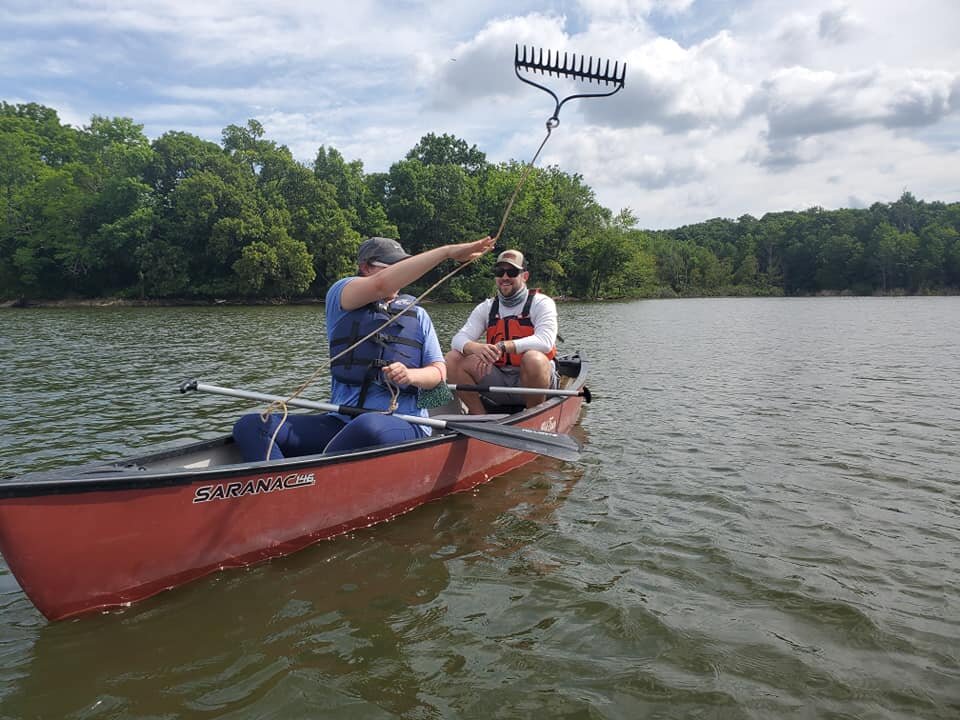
{"x":493,"y":407}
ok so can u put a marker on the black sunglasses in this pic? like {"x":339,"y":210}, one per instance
{"x":509,"y":272}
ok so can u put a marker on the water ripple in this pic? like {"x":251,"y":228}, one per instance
{"x":765,"y":524}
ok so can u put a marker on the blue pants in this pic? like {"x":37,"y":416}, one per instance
{"x":311,"y":434}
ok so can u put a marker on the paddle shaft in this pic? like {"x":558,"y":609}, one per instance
{"x":528,"y":440}
{"x":516,"y":390}
{"x":307,"y":404}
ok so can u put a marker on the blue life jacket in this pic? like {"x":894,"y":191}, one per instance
{"x":400,"y":341}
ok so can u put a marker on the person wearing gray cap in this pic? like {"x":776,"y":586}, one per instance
{"x":384,"y":370}
{"x":509,"y":340}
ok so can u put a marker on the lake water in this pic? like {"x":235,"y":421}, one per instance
{"x":765,"y":524}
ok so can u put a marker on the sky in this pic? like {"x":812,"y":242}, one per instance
{"x":730,"y":107}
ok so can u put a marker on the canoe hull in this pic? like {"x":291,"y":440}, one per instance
{"x":78,"y":547}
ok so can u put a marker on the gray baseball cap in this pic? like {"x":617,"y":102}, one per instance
{"x":381,"y":249}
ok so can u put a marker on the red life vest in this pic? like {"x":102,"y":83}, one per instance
{"x":512,"y":328}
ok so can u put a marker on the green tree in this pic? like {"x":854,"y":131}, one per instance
{"x":839,"y":256}
{"x":534,"y":223}
{"x":50,"y":142}
{"x":448,"y":150}
{"x":211,"y":219}
{"x":41,"y":202}
{"x":101,"y":210}
{"x":278,"y":266}
{"x":354,"y":195}
{"x":177,"y":156}
{"x":893,"y":254}
{"x":163,"y":269}
{"x":935,"y":241}
{"x":317,"y":219}
{"x":708,"y":274}
{"x":50,"y":252}
{"x":116,"y":147}
{"x":772,"y":233}
{"x":612,"y":261}
{"x":746,"y":272}
{"x":552,"y":221}
{"x":431,"y":205}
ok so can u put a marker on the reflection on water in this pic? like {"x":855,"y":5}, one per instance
{"x":348,"y":618}
{"x":765,"y":524}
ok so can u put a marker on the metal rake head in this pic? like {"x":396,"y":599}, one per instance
{"x":573,"y":66}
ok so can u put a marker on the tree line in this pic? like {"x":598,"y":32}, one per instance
{"x":101,"y":211}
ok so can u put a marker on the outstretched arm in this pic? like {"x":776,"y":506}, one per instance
{"x":388,"y":282}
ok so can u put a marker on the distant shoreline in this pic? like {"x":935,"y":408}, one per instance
{"x":168,"y":302}
{"x":124,"y":302}
{"x":182,"y":302}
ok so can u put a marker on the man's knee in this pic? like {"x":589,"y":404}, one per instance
{"x":535,"y":358}
{"x":370,"y":430}
{"x":535,"y":367}
{"x":454,"y":359}
{"x":367,"y":427}
{"x":248,"y":425}
{"x":463,"y":368}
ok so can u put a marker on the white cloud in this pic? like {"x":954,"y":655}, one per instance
{"x":838,"y":25}
{"x":800,"y":102}
{"x":633,"y":9}
{"x":728,"y":108}
{"x":678,"y":88}
{"x":173,"y":113}
{"x":475,"y":69}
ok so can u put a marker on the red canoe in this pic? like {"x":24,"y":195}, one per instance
{"x":110,"y":534}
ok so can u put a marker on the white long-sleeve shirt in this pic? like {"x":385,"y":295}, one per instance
{"x":543,"y":314}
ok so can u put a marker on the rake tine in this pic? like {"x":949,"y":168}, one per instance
{"x":585,"y":72}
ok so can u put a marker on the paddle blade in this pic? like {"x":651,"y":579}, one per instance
{"x":562,"y":447}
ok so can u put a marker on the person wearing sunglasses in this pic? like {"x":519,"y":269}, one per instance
{"x":509,"y":340}
{"x":383,"y":370}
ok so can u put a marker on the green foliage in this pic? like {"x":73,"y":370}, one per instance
{"x":162,"y":270}
{"x":280,"y":266}
{"x":116,"y":147}
{"x":103,"y":211}
{"x":893,"y":253}
{"x":354,"y":196}
{"x":448,"y":150}
{"x":902,"y":247}
{"x":431,"y":205}
{"x":178,"y":155}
